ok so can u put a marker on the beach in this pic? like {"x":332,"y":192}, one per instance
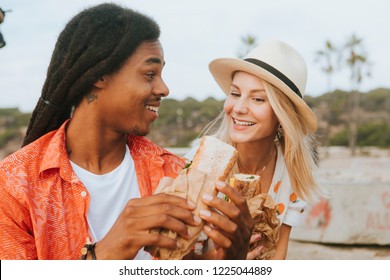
{"x":358,"y":227}
{"x":299,"y":250}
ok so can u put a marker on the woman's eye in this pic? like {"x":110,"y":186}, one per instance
{"x":258,"y":99}
{"x":235,"y":94}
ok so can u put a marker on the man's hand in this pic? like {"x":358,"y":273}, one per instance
{"x":131,"y":231}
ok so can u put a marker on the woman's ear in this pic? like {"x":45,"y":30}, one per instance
{"x":101,"y":83}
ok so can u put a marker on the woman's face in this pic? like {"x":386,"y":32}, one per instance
{"x":249,"y":113}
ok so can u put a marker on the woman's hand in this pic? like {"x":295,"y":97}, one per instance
{"x":230,"y":225}
{"x":131,"y":231}
{"x":256,"y":251}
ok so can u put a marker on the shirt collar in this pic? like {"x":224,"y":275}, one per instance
{"x":56,"y":155}
{"x":138,"y":144}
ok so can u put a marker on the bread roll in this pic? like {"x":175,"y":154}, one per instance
{"x":247,"y":184}
{"x":213,"y":161}
{"x":263,"y":211}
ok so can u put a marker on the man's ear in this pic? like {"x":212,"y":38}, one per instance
{"x":101,"y":83}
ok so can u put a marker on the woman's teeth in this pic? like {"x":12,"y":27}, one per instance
{"x":243,"y":123}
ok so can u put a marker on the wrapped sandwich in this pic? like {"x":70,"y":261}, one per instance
{"x":213,"y":161}
{"x":263,"y":211}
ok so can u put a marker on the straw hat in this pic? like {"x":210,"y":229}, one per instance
{"x":275,"y":62}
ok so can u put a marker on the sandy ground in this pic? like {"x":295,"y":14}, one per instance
{"x":315,"y":251}
{"x":370,"y":167}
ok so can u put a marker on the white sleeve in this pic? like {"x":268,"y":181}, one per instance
{"x":294,"y":213}
{"x":191,"y":153}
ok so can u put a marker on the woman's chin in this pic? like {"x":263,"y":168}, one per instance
{"x":239,"y":138}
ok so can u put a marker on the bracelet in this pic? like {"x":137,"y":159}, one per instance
{"x":88,"y":248}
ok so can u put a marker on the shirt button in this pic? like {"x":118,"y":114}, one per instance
{"x":83,"y":193}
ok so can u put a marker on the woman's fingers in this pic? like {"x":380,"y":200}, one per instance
{"x":236,"y":211}
{"x":229,"y":224}
{"x":254,"y":238}
{"x":221,"y":222}
{"x":219,"y":237}
{"x":235,"y":198}
{"x":255,"y":252}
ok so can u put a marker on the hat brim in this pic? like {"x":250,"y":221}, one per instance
{"x":222,"y":70}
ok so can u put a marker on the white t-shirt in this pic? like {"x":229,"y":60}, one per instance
{"x":109,"y":194}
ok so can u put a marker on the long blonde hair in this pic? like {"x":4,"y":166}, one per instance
{"x":297,"y":143}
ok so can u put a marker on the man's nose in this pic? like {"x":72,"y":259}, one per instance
{"x":162,"y":89}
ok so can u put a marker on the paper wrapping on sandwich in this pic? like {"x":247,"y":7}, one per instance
{"x":213,"y":161}
{"x":263,"y":211}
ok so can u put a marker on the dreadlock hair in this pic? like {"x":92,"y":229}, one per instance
{"x":96,"y":42}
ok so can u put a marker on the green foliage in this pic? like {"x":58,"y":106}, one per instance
{"x":11,"y":123}
{"x":368,"y":135}
{"x":9,"y":135}
{"x":5,"y":112}
{"x":180,"y":122}
{"x":374,"y":135}
{"x":340,"y":139}
{"x":375,"y":100}
{"x":248,"y":42}
{"x":13,"y":118}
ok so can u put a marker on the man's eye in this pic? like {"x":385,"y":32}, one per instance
{"x":150,"y":75}
{"x":235,"y":94}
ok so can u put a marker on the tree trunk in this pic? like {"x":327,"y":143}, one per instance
{"x":354,"y":122}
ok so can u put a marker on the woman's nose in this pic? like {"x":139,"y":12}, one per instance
{"x":241,"y":106}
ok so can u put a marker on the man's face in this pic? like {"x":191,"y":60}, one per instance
{"x":130,"y":98}
{"x":2,"y":15}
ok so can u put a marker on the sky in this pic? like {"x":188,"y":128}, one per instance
{"x":195,"y":32}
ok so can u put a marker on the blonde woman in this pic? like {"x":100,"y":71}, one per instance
{"x":267,"y":120}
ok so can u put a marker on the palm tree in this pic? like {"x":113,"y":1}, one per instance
{"x":357,"y":61}
{"x":327,"y":56}
{"x":249,"y":42}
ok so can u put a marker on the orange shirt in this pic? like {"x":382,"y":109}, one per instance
{"x":43,"y":205}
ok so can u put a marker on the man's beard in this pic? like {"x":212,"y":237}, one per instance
{"x":140,"y":132}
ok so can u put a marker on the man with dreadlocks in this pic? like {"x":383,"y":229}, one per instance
{"x":81,"y":186}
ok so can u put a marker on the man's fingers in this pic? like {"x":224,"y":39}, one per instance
{"x":150,"y":239}
{"x":162,"y":198}
{"x":160,"y":221}
{"x":184,"y":215}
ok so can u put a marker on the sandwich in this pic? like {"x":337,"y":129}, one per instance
{"x":263,"y":211}
{"x":213,"y":161}
{"x":247,"y":184}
